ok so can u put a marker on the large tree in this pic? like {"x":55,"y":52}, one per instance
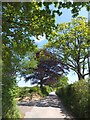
{"x":20,"y":21}
{"x":48,"y":70}
{"x":70,"y":42}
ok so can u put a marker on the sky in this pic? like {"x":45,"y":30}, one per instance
{"x":65,"y":17}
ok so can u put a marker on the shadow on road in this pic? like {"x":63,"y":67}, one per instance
{"x":49,"y":101}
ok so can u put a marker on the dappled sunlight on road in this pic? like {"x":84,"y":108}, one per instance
{"x":48,"y":107}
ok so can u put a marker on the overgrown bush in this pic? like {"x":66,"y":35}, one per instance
{"x":28,"y":91}
{"x":76,"y":97}
{"x":23,"y":91}
{"x":46,"y":90}
{"x":9,"y":109}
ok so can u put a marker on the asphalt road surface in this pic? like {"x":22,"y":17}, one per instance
{"x":48,"y":107}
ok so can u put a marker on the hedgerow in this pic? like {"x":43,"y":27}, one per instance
{"x":76,"y":98}
{"x":9,"y":91}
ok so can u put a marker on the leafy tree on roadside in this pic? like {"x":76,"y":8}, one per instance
{"x":70,"y":42}
{"x":20,"y":21}
{"x":62,"y":82}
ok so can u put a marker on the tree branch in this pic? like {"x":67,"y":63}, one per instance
{"x":86,"y":74}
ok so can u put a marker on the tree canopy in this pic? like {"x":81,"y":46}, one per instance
{"x":70,"y":42}
{"x":48,"y":70}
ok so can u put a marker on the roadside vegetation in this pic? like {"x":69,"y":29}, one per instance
{"x":76,"y":98}
{"x":68,"y":48}
{"x":30,"y":91}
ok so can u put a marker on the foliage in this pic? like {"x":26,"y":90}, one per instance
{"x":74,"y":6}
{"x":22,"y":92}
{"x":62,"y":82}
{"x":69,"y":42}
{"x":46,"y":90}
{"x":48,"y":69}
{"x":28,"y":63}
{"x":75,"y":97}
{"x":29,"y":91}
{"x":8,"y":94}
{"x":19,"y":22}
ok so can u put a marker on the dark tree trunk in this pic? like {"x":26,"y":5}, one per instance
{"x":83,"y":66}
{"x":89,"y":60}
{"x":80,"y":76}
{"x":79,"y":70}
{"x":88,"y":49}
{"x":41,"y":85}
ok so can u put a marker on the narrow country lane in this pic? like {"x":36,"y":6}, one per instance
{"x":48,"y":107}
